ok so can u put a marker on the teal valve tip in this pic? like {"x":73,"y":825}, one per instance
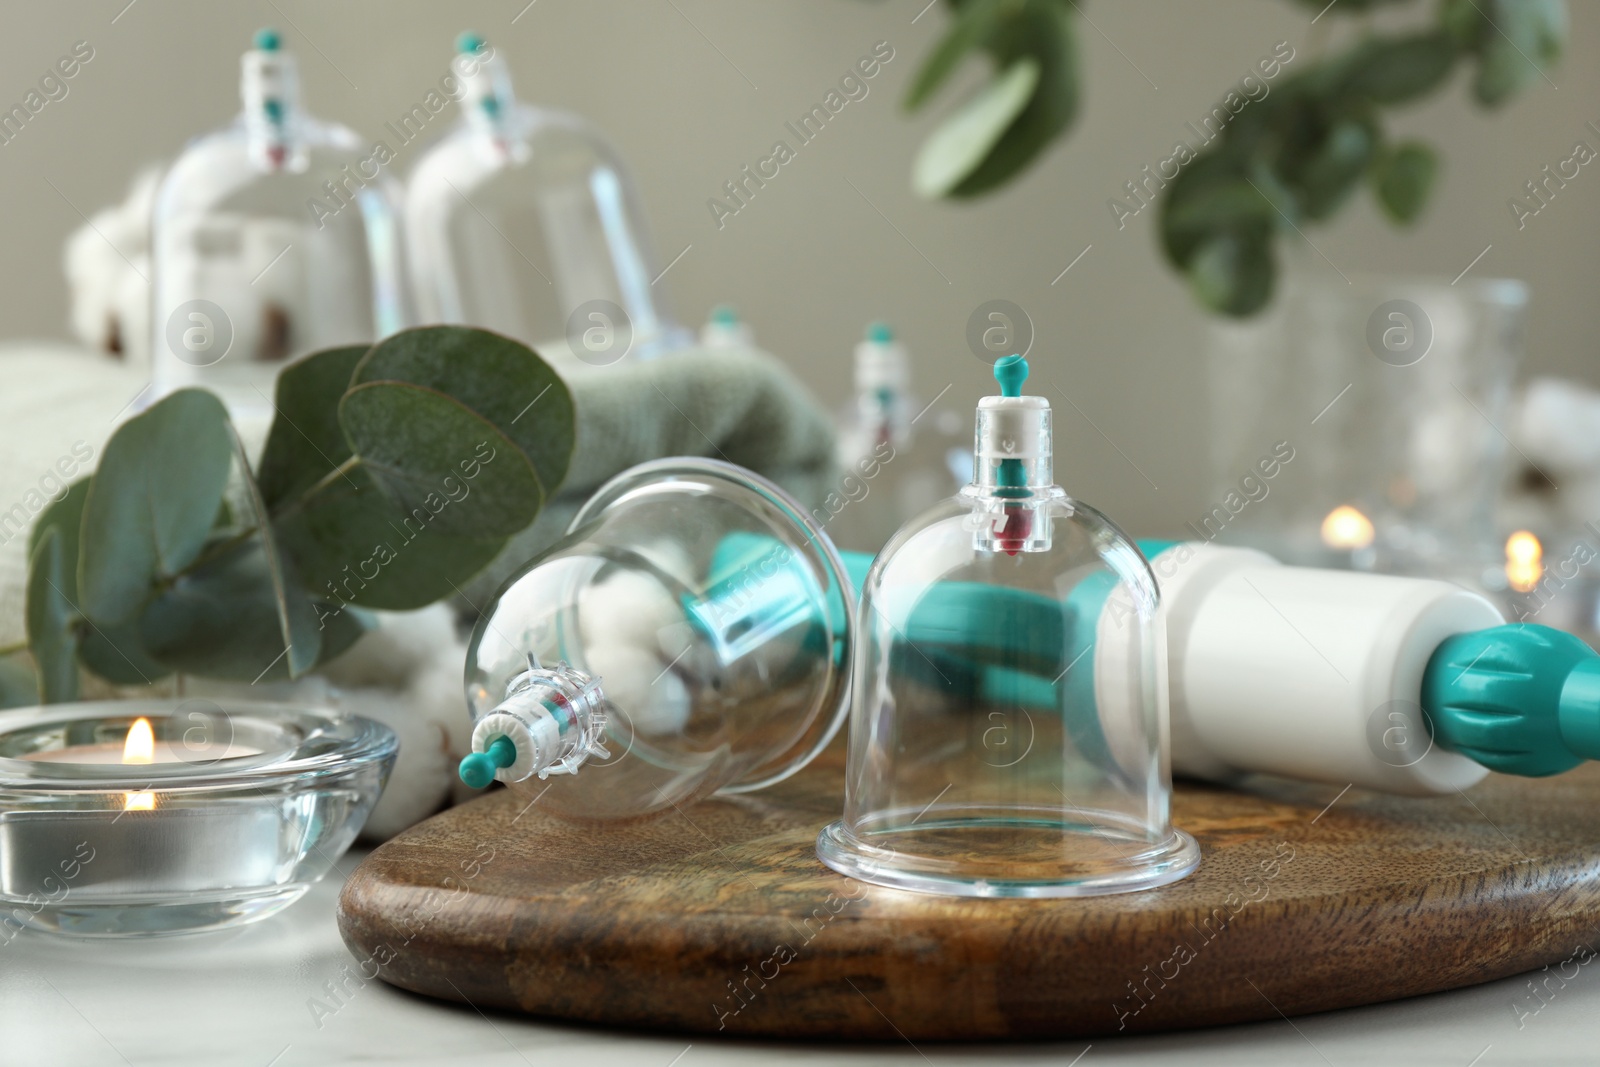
{"x":880,"y":333}
{"x":1011,"y":372}
{"x":469,"y":43}
{"x":478,"y":769}
{"x":725,"y":315}
{"x":267,"y":39}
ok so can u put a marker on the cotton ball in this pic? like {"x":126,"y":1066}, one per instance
{"x":654,"y":698}
{"x":419,"y":783}
{"x":403,"y":643}
{"x":1557,"y":424}
{"x":621,"y":620}
{"x":627,"y":608}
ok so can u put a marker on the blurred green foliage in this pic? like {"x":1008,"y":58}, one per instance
{"x":1291,"y":157}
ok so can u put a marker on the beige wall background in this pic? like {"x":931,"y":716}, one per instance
{"x":691,"y":90}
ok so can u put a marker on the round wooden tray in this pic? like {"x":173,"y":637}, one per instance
{"x":720,"y":919}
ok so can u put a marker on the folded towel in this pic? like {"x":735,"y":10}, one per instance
{"x":739,"y":405}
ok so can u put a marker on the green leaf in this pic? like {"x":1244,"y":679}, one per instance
{"x":117,"y":654}
{"x":306,"y":441}
{"x":1402,"y":178}
{"x":303,"y":648}
{"x":18,"y":686}
{"x":498,"y":379}
{"x":152,"y":502}
{"x":354,"y":545}
{"x":111,"y":651}
{"x":222,"y":620}
{"x":1347,"y":7}
{"x":1396,"y":69}
{"x":974,"y":22}
{"x":963,"y":140}
{"x":51,"y":619}
{"x":1233,"y":273}
{"x":1209,"y":195}
{"x":420,"y":445}
{"x":66,"y":516}
{"x":1330,"y":173}
{"x":1221,"y":205}
{"x":1517,"y":41}
{"x":342,"y":626}
{"x":1043,"y":31}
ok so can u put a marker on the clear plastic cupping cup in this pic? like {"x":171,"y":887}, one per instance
{"x":1008,"y":732}
{"x":270,"y":238}
{"x":525,"y":220}
{"x":690,"y":635}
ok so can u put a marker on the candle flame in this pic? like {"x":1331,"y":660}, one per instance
{"x":139,"y":748}
{"x":1346,"y":527}
{"x":1524,"y":561}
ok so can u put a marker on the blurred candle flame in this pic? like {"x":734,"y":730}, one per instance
{"x":1524,"y":561}
{"x":139,"y":748}
{"x":1345,"y":527}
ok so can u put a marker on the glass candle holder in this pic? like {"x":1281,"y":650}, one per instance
{"x":1357,"y":424}
{"x":123,"y":818}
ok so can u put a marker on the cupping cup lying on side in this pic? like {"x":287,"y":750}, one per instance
{"x":1017,"y":674}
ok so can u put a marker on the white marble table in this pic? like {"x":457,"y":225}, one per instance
{"x":245,"y":998}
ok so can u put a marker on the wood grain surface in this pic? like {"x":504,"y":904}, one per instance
{"x":720,"y":919}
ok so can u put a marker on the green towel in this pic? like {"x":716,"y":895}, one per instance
{"x":739,"y":405}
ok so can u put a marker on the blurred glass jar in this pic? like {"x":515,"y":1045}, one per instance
{"x":1358,"y":424}
{"x":525,"y":221}
{"x":269,"y":239}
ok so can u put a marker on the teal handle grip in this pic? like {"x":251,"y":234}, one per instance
{"x":1519,"y":699}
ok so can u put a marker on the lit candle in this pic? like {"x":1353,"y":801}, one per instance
{"x":140,"y":747}
{"x":1347,"y":528}
{"x":1524,"y":561}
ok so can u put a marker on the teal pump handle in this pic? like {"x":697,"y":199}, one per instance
{"x":1520,"y":699}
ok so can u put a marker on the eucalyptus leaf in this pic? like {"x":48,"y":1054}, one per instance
{"x":65,"y":515}
{"x":974,"y":21}
{"x":1212,"y":181}
{"x":1347,"y":7}
{"x":222,"y":620}
{"x":51,"y":621}
{"x":960,"y":144}
{"x":1043,"y":31}
{"x":1332,"y":172}
{"x":498,"y":379}
{"x":152,"y":502}
{"x":306,"y":442}
{"x":353,"y":545}
{"x":1233,"y":273}
{"x":1402,"y":178}
{"x":1394,"y":70}
{"x":1222,"y":204}
{"x":111,"y":651}
{"x":440,"y":463}
{"x":116,"y":653}
{"x":302,"y":653}
{"x":342,"y":625}
{"x":1517,"y":41}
